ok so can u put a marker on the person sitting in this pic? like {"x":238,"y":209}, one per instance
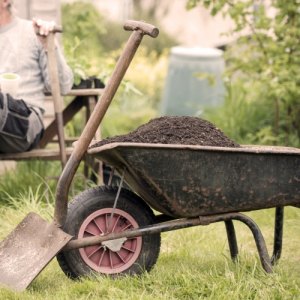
{"x":23,"y":52}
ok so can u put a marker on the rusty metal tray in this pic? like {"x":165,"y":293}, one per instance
{"x":189,"y":181}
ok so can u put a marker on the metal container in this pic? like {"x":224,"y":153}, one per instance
{"x":186,"y":93}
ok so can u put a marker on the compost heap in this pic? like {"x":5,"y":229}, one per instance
{"x":174,"y":130}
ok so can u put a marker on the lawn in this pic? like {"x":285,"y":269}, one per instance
{"x":194,"y":263}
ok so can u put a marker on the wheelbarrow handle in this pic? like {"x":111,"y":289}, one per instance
{"x":146,"y":28}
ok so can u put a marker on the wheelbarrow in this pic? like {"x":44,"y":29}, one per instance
{"x":114,"y":230}
{"x":117,"y":231}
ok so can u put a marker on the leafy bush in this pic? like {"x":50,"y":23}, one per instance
{"x":264,"y":66}
{"x":83,"y":28}
{"x":137,"y":100}
{"x":82,"y":21}
{"x":242,"y":117}
{"x":93,"y":46}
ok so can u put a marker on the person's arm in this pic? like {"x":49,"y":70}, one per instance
{"x":42,"y":28}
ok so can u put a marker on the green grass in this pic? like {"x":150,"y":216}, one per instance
{"x":194,"y":263}
{"x":38,"y":176}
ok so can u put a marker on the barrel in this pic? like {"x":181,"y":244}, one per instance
{"x":188,"y":90}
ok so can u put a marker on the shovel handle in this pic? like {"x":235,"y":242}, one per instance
{"x":57,"y":29}
{"x":146,"y":28}
{"x":139,"y":29}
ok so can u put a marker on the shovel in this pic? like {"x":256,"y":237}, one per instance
{"x":34,"y":242}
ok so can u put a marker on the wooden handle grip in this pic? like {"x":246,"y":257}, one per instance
{"x":142,"y":26}
{"x":57,"y":29}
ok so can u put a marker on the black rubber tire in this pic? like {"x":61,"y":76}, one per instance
{"x":97,"y":198}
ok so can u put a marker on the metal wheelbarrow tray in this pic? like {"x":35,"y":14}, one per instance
{"x":200,"y":185}
{"x":190,"y":181}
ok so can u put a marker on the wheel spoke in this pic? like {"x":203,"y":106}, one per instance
{"x":115,"y":224}
{"x":90,"y":232}
{"x":128,"y":249}
{"x":126,"y":227}
{"x":122,"y":259}
{"x":106,"y":223}
{"x":110,"y":259}
{"x":93,"y":252}
{"x":101,"y":257}
{"x":101,"y":231}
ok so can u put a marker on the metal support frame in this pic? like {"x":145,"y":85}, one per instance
{"x":258,"y":237}
{"x":184,"y":223}
{"x":278,"y":233}
{"x":232,"y":242}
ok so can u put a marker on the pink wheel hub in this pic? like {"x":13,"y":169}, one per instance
{"x":101,"y":258}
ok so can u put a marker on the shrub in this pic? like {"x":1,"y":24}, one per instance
{"x":264,"y":65}
{"x":93,"y":46}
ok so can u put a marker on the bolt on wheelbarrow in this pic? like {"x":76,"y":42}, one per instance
{"x":34,"y":242}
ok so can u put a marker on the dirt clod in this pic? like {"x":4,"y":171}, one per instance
{"x":175,"y":130}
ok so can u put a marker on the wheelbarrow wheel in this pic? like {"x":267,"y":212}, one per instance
{"x":90,"y":214}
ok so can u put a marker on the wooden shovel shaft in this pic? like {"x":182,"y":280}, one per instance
{"x":56,"y":95}
{"x":140,"y":29}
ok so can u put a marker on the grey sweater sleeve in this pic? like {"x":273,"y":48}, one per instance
{"x":22,"y":52}
{"x":64,"y":71}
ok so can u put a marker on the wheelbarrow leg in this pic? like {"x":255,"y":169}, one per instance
{"x":259,"y":240}
{"x":231,"y":236}
{"x":278,"y":233}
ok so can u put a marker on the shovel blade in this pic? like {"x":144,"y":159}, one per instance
{"x":26,"y":251}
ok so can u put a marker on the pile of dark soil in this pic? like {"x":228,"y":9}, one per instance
{"x":174,"y":130}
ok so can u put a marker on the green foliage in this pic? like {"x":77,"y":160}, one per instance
{"x":83,"y":28}
{"x":137,"y":99}
{"x":81,"y":20}
{"x":265,"y":63}
{"x":78,"y":63}
{"x":37,"y":177}
{"x":243,"y":117}
{"x":164,"y":40}
{"x":93,"y":45}
{"x":30,"y":174}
